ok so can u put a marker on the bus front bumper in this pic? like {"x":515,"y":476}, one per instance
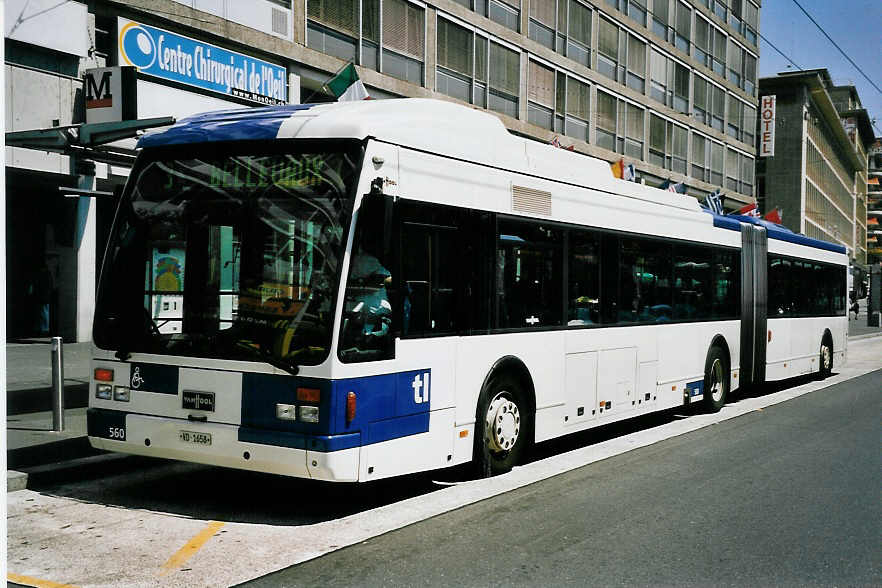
{"x":214,"y":444}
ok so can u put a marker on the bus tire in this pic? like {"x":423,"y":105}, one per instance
{"x":503,"y":426}
{"x":825,"y":361}
{"x":716,"y":379}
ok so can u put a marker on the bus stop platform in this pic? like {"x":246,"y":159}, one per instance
{"x":34,"y":449}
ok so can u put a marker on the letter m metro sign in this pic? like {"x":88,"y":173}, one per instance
{"x":110,"y":94}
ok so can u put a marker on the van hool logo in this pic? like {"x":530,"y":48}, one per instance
{"x":137,"y":46}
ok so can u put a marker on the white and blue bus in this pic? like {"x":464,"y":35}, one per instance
{"x":363,"y":290}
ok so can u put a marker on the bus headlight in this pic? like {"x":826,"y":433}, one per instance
{"x":121,"y":393}
{"x":103,"y":391}
{"x":286,"y":412}
{"x":309,"y":414}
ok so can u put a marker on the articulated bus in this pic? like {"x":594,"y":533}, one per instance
{"x":354,"y":291}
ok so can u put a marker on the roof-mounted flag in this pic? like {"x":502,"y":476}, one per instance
{"x":774,"y":216}
{"x":629,"y":173}
{"x":346,"y":86}
{"x":618,"y":168}
{"x":556,"y":142}
{"x":872,"y":220}
{"x":749,"y":210}
{"x":671,"y":186}
{"x":714,"y":202}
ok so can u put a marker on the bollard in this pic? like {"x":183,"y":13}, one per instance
{"x":57,"y":384}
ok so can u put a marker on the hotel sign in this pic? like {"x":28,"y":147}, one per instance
{"x":767,"y":126}
{"x":177,"y":58}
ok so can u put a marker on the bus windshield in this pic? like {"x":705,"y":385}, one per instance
{"x":233,"y":253}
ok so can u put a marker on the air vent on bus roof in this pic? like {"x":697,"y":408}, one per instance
{"x":280,"y":22}
{"x":530,"y":200}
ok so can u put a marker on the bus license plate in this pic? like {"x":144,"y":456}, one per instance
{"x":195,"y":438}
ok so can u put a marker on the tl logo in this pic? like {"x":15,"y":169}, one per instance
{"x":420,"y":387}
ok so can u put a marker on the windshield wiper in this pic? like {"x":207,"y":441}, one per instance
{"x":271,"y":359}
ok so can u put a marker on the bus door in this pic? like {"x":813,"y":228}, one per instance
{"x":754,"y":298}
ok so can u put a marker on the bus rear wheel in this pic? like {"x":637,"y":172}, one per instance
{"x":503,"y":429}
{"x":716,"y":379}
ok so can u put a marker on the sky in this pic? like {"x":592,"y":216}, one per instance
{"x":855,"y":25}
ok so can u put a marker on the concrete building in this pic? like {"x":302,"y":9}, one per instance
{"x":874,"y":203}
{"x":668,"y":85}
{"x":817,"y":175}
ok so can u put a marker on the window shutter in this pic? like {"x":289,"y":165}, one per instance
{"x":504,"y":68}
{"x":454,"y":47}
{"x":606,"y":112}
{"x":636,"y":56}
{"x":580,"y":23}
{"x":403,"y":28}
{"x":609,"y":39}
{"x":540,"y":88}
{"x":341,"y":15}
{"x":635,"y":123}
{"x":543,"y":11}
{"x":578,"y":99}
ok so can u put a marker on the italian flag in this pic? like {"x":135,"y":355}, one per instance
{"x":346,"y":86}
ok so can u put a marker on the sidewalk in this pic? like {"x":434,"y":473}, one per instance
{"x":30,"y":441}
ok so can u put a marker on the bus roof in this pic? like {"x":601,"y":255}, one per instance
{"x":775,"y":231}
{"x":434,"y":126}
{"x":438,"y":127}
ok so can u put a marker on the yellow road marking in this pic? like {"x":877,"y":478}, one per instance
{"x":190,"y":549}
{"x":28,"y":581}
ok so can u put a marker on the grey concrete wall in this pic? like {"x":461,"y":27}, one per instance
{"x":783,"y":171}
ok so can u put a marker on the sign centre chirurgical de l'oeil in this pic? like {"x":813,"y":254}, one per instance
{"x":174,"y":57}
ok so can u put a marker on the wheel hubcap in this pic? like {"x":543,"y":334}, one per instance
{"x":502,"y":424}
{"x":825,"y":357}
{"x":716,"y":382}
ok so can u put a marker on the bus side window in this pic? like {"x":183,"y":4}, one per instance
{"x":367,"y":309}
{"x":529,"y":275}
{"x":584,"y":279}
{"x":430,"y":277}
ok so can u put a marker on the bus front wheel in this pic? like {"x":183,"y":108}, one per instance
{"x":503,"y":427}
{"x":716,"y":379}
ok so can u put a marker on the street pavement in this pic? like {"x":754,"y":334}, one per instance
{"x":133,"y":521}
{"x":786,"y":496}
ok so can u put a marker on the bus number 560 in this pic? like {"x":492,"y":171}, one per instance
{"x":117,"y":433}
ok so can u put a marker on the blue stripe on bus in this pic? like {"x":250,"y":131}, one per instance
{"x":774,"y":231}
{"x":252,"y":124}
{"x":388,"y":406}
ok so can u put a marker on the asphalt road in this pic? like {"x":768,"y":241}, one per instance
{"x":787,"y":495}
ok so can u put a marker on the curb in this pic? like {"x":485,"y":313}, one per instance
{"x":40,"y":399}
{"x":50,"y":453}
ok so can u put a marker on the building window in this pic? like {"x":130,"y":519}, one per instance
{"x":558,"y":101}
{"x":455,"y":75}
{"x":683,"y":27}
{"x":332,"y":27}
{"x":637,"y":11}
{"x":739,"y":172}
{"x":504,"y":80}
{"x":741,"y":120}
{"x":398,"y":50}
{"x":505,"y":12}
{"x":620,"y":125}
{"x":669,"y":82}
{"x":403,"y":40}
{"x":667,"y":144}
{"x":707,"y":160}
{"x":621,"y":56}
{"x":751,"y":22}
{"x":570,"y":35}
{"x":735,"y":62}
{"x":661,"y":18}
{"x":710,"y":46}
{"x":709,"y":101}
{"x":749,"y":74}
